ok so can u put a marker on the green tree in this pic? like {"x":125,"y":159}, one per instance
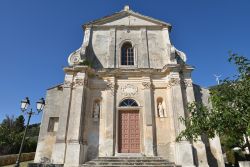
{"x":19,"y":124}
{"x":230,"y":114}
{"x":11,"y":133}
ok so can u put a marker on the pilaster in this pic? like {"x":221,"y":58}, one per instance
{"x":183,"y":149}
{"x":75,"y":148}
{"x":107,"y":123}
{"x":58,"y":153}
{"x":148,"y":133}
{"x":144,"y":55}
{"x":111,"y":57}
{"x":199,"y":146}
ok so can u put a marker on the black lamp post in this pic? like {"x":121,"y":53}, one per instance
{"x":24,"y":106}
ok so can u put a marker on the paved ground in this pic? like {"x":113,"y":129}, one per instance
{"x":22,"y":164}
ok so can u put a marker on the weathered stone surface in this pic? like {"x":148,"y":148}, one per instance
{"x":88,"y":102}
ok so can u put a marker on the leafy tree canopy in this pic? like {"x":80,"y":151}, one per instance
{"x":11,"y":133}
{"x":230,"y":114}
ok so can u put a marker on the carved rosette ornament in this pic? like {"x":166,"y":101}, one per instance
{"x":129,"y":90}
{"x":146,"y":85}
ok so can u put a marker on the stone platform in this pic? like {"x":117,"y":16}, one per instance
{"x":129,"y":161}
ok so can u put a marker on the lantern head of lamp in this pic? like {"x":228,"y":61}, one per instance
{"x":25,"y":104}
{"x":40,"y":105}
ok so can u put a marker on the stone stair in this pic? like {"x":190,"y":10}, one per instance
{"x":129,"y":161}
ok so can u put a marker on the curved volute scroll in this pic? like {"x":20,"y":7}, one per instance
{"x":75,"y":58}
{"x":79,"y":56}
{"x":177,"y":55}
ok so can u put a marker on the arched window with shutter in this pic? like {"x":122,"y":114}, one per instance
{"x":127,"y":54}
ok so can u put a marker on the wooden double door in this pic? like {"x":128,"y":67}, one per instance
{"x":129,"y":132}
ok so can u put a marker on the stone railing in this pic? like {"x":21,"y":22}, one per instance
{"x":11,"y":159}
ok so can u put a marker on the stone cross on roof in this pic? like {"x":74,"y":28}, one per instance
{"x":126,"y":8}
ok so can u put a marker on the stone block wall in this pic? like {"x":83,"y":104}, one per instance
{"x":11,"y":159}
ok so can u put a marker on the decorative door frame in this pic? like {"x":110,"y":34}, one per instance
{"x":139,"y":110}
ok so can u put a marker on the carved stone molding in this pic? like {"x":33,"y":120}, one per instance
{"x":173,"y":82}
{"x":111,"y":86}
{"x":79,"y":82}
{"x":73,"y":141}
{"x":67,"y":84}
{"x":146,"y":85}
{"x":177,"y":81}
{"x":60,"y":141}
{"x":188,"y":83}
{"x":129,"y":90}
{"x":76,"y":83}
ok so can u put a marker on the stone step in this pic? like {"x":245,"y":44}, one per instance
{"x":85,"y":165}
{"x":121,"y":161}
{"x":116,"y":160}
{"x":123,"y":157}
{"x":134,"y":165}
{"x":129,"y":161}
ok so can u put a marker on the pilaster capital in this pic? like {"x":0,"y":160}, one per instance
{"x":67,"y":84}
{"x":173,"y":82}
{"x":146,"y":85}
{"x":188,"y":83}
{"x":112,"y":87}
{"x":80,"y":80}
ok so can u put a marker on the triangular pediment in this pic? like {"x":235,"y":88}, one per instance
{"x":128,"y":18}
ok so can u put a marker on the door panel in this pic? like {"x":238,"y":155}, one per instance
{"x":129,"y":132}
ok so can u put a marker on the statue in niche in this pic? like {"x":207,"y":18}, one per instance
{"x":96,"y":111}
{"x":161,"y":110}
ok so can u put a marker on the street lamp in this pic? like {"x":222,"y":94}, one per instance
{"x":24,"y":106}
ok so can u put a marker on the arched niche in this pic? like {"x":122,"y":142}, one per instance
{"x":161,"y":107}
{"x":96,"y":109}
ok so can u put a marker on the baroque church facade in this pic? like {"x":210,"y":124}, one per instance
{"x":123,"y":93}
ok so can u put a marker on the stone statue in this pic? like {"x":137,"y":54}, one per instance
{"x":161,"y":109}
{"x":96,"y":111}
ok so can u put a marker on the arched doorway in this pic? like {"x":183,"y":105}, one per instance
{"x":128,"y":127}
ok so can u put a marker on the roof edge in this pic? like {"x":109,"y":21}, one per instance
{"x":126,"y":12}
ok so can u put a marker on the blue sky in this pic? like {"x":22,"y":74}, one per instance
{"x":36,"y":38}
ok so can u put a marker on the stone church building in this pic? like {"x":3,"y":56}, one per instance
{"x":123,"y":93}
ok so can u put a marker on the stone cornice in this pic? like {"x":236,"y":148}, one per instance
{"x":78,"y":68}
{"x":178,"y":67}
{"x":120,"y":71}
{"x":125,"y":13}
{"x":129,"y":71}
{"x":144,"y":71}
{"x":131,"y":27}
